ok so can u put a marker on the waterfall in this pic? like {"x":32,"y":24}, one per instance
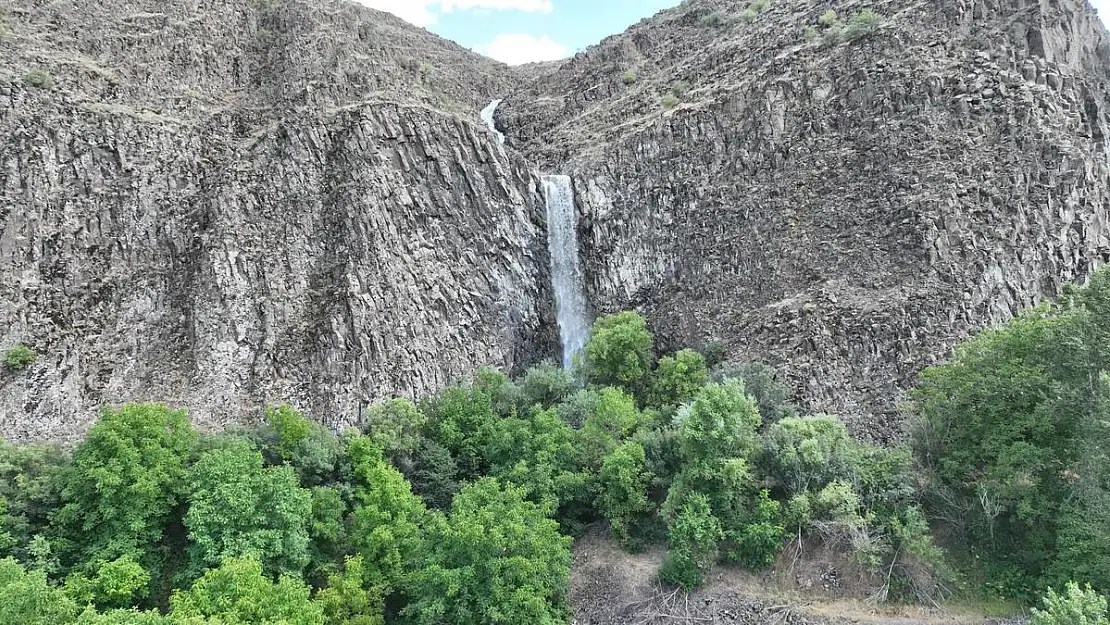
{"x":566,"y":268}
{"x":487,"y":116}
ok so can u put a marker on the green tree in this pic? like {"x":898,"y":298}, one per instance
{"x":395,"y":426}
{"x":693,"y":539}
{"x":27,"y":598}
{"x":386,"y":525}
{"x":124,"y":486}
{"x":756,"y":543}
{"x":237,"y":593}
{"x":720,"y":423}
{"x":762,"y":383}
{"x":1077,"y":606}
{"x":347,"y":601}
{"x":238,"y":507}
{"x":807,"y":453}
{"x":545,"y":385}
{"x":308,"y":447}
{"x":678,"y":379}
{"x":623,"y":491}
{"x":29,"y":493}
{"x":463,"y":421}
{"x":114,"y":584}
{"x":619,"y":352}
{"x":496,"y":559}
{"x":613,"y":419}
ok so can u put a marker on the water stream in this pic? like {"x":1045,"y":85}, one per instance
{"x":566,"y":267}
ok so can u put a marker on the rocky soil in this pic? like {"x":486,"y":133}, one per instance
{"x":847,"y":212}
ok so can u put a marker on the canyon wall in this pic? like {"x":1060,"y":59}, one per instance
{"x":845,"y":212}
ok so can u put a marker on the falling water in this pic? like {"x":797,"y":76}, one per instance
{"x":487,"y":116}
{"x":566,"y":269}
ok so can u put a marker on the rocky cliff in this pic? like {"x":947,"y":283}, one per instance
{"x":223,"y":205}
{"x":846,"y":210}
{"x":227,"y":204}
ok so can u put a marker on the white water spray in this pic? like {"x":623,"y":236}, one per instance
{"x":566,"y":268}
{"x":487,"y":116}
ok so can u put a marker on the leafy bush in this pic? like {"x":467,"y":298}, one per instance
{"x":693,"y":538}
{"x":19,"y":358}
{"x":677,"y":379}
{"x":38,"y":79}
{"x":623,"y":491}
{"x":716,"y":19}
{"x":762,"y":383}
{"x":629,"y":77}
{"x":346,"y":601}
{"x":668,"y":101}
{"x":1075,"y":607}
{"x":27,"y":598}
{"x":807,"y":453}
{"x":828,"y":18}
{"x":619,"y":352}
{"x":115,"y":584}
{"x":238,"y":508}
{"x":862,"y":24}
{"x":756,"y":543}
{"x":495,"y":559}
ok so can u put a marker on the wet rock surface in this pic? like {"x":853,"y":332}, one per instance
{"x":846,"y":212}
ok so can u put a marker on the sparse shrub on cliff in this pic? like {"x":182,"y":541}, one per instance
{"x":668,"y":101}
{"x":748,"y":15}
{"x":629,"y":77}
{"x":19,"y":357}
{"x":680,"y":88}
{"x":39,"y":79}
{"x":716,"y":19}
{"x":810,"y":34}
{"x":828,"y":18}
{"x":862,"y":24}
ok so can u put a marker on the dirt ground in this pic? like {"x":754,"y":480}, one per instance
{"x":612,"y":587}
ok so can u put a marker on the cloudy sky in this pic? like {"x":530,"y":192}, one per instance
{"x":522,"y":31}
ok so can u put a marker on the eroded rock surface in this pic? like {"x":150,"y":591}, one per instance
{"x":227,"y":206}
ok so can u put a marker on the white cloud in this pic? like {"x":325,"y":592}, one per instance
{"x":519,"y":48}
{"x":424,"y":12}
{"x":417,"y":12}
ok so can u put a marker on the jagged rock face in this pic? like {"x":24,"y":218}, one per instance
{"x":848,"y":212}
{"x":222,"y":229}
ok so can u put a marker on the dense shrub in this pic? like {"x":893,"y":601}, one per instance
{"x":761,"y":537}
{"x":807,"y":453}
{"x":619,"y":352}
{"x":495,"y":559}
{"x":39,"y":79}
{"x":862,"y":24}
{"x":27,"y":598}
{"x":693,"y":537}
{"x":678,"y":379}
{"x":1075,"y":607}
{"x":19,"y":357}
{"x":396,"y":426}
